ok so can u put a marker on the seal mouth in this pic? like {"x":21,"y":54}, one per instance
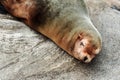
{"x":84,"y":57}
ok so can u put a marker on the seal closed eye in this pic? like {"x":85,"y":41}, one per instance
{"x":66,"y":22}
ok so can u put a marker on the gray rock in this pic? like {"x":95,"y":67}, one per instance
{"x":28,"y":55}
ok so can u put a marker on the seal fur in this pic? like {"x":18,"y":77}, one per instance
{"x":66,"y":22}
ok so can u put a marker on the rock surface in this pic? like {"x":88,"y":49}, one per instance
{"x":27,"y":55}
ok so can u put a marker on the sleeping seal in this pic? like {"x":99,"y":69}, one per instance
{"x":66,"y":22}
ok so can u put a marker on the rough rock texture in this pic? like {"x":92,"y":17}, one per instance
{"x":27,"y":55}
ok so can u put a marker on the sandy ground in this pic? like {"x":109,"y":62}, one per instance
{"x":27,"y":55}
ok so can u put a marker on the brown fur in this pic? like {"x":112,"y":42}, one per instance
{"x":66,"y":22}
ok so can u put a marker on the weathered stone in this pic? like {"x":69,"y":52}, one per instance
{"x":28,"y":55}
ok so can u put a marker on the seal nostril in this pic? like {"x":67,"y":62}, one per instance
{"x":85,"y":58}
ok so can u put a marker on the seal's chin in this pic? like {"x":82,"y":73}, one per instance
{"x":83,"y":56}
{"x":85,"y":50}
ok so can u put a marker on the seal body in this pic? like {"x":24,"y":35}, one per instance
{"x":66,"y":22}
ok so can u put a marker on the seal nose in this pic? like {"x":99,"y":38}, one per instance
{"x":85,"y":59}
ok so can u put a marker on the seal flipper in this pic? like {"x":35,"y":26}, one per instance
{"x":2,"y":9}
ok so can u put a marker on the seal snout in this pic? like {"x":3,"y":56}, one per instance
{"x":85,"y":57}
{"x":85,"y":49}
